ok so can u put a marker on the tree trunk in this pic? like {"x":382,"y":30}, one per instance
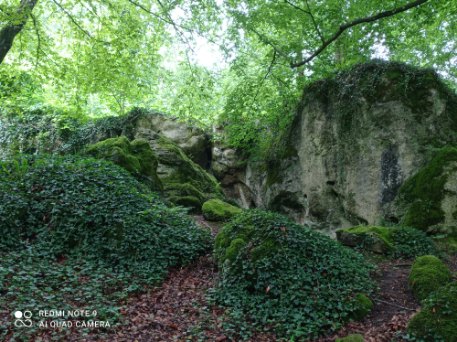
{"x":12,"y":29}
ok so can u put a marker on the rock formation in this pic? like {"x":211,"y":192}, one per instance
{"x":354,"y":141}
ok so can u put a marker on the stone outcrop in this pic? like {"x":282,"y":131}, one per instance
{"x":181,"y":151}
{"x":354,"y":141}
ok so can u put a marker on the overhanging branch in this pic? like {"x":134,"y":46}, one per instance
{"x":356,"y":22}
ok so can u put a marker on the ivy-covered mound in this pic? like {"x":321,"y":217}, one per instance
{"x":83,"y":233}
{"x":287,"y":278}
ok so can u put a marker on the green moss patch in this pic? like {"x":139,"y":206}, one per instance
{"x":184,"y":177}
{"x":284,"y":277}
{"x":428,"y":274}
{"x":423,"y":193}
{"x":136,"y":157}
{"x":351,"y":338}
{"x":363,"y":306}
{"x":437,"y":320}
{"x":217,"y":210}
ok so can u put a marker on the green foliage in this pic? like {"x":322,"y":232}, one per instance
{"x":278,"y":275}
{"x":136,"y":157}
{"x":423,"y":193}
{"x":66,"y":223}
{"x":410,"y":243}
{"x":437,"y":320}
{"x":217,"y":210}
{"x":351,"y":338}
{"x":428,"y":274}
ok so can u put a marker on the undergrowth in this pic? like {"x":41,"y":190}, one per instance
{"x":78,"y":233}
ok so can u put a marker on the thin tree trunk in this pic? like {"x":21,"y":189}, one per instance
{"x":12,"y":29}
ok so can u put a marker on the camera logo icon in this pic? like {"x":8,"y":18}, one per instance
{"x":23,"y":319}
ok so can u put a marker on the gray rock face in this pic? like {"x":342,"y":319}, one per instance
{"x":354,"y":141}
{"x":193,"y":141}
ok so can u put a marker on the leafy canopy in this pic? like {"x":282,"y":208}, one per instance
{"x":99,"y":58}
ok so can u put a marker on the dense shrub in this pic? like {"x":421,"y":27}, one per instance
{"x":411,"y":243}
{"x":428,"y":274}
{"x":437,"y":321}
{"x":78,"y":221}
{"x":286,"y":277}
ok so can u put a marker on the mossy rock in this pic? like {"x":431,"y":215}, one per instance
{"x":181,"y":176}
{"x":190,"y":202}
{"x":437,"y":321}
{"x":421,"y":196}
{"x":136,"y":157}
{"x":371,"y":238}
{"x":396,"y":242}
{"x":428,"y":274}
{"x":351,"y":338}
{"x":217,"y":210}
{"x":363,"y":306}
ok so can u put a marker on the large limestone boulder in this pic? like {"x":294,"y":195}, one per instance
{"x":194,"y":142}
{"x":229,"y":167}
{"x":354,"y":141}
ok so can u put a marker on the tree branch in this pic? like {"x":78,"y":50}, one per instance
{"x":12,"y":29}
{"x":37,"y":31}
{"x":356,"y":22}
{"x":87,"y":33}
{"x":310,"y":14}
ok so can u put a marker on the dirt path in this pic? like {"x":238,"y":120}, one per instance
{"x":394,"y":305}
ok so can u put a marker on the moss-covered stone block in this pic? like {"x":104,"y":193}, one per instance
{"x":393,"y":242}
{"x":437,"y":321}
{"x":362,"y":306}
{"x":217,"y":210}
{"x":137,"y":157}
{"x":428,"y":274}
{"x":181,"y":176}
{"x":351,"y":338}
{"x":371,"y":238}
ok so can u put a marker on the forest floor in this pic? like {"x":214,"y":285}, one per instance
{"x":179,"y":310}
